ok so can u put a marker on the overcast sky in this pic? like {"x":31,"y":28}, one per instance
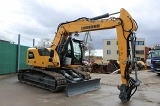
{"x":39,"y":19}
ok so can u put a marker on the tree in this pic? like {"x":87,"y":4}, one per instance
{"x":90,"y":50}
{"x":44,"y":43}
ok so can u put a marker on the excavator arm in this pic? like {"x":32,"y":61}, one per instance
{"x":125,"y":27}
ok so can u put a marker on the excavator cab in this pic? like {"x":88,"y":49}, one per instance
{"x":74,"y":52}
{"x":70,"y":52}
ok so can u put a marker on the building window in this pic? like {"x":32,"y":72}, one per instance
{"x":138,"y":58}
{"x":108,"y":42}
{"x":139,"y":51}
{"x":108,"y":51}
{"x":139,"y":42}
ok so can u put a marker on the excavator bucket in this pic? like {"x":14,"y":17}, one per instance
{"x":82,"y":87}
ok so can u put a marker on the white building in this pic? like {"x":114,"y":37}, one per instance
{"x":110,"y":49}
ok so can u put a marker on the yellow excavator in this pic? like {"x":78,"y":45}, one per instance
{"x":57,"y":68}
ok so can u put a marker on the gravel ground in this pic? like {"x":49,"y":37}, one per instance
{"x":14,"y":93}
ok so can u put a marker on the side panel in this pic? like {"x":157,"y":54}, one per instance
{"x":41,"y":61}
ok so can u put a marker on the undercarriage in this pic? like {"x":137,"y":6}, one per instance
{"x":72,"y":81}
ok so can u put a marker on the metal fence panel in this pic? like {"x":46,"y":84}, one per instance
{"x":8,"y":57}
{"x":23,"y":52}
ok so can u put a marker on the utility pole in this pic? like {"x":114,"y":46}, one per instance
{"x":33,"y":42}
{"x":89,"y":54}
{"x":18,"y":52}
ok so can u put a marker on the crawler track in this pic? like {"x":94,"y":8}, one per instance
{"x":48,"y":80}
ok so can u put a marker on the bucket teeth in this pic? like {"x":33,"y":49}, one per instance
{"x":82,"y":87}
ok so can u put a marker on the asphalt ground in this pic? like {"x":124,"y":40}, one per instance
{"x":14,"y":93}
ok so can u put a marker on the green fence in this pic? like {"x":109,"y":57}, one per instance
{"x":9,"y":57}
